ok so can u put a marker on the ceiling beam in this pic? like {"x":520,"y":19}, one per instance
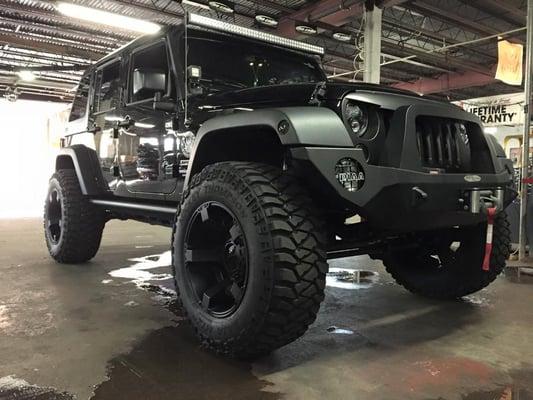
{"x":500,"y":9}
{"x":452,"y":18}
{"x":448,"y":82}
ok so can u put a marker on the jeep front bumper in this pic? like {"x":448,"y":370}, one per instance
{"x":402,"y":200}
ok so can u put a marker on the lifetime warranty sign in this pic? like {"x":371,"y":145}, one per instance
{"x":497,"y":110}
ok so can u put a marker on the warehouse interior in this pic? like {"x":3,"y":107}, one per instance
{"x":114,"y":328}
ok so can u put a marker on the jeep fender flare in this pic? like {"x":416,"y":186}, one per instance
{"x":307,"y":126}
{"x":84,"y":161}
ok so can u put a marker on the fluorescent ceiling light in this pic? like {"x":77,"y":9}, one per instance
{"x":196,"y":4}
{"x":200,"y":20}
{"x":107,"y":18}
{"x":26,"y":75}
{"x":221,"y":7}
{"x":266,"y":20}
{"x":308,"y":30}
{"x":342,"y":37}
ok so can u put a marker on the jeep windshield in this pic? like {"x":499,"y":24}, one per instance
{"x":230,"y":65}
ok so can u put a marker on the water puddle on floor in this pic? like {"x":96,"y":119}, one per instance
{"x":339,"y":331}
{"x":344,"y":278}
{"x":148,"y":271}
{"x":12,"y":388}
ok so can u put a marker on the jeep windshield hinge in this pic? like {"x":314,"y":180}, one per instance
{"x":319,"y":94}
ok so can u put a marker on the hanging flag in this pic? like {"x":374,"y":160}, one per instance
{"x":510,"y":62}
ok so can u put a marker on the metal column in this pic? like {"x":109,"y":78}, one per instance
{"x":372,"y":60}
{"x":527,"y":124}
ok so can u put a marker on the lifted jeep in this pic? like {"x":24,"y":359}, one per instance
{"x":264,"y":170}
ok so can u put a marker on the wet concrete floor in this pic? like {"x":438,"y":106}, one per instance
{"x":110,"y":329}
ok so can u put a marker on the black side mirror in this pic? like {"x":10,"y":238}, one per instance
{"x":164,"y":104}
{"x":148,"y":80}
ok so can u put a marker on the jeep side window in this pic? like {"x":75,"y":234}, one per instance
{"x":79,"y":105}
{"x":107,"y":88}
{"x":149,"y":73}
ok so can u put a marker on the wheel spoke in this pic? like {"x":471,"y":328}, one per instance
{"x":204,"y":213}
{"x":236,"y":292}
{"x":204,"y":255}
{"x":235,"y":231}
{"x":210,"y":293}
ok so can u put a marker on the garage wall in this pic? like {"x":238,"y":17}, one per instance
{"x":29,"y":139}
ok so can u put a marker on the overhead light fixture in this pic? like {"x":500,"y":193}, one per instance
{"x":342,"y":37}
{"x":306,"y":29}
{"x":210,"y":23}
{"x":266,"y":20}
{"x":107,"y":18}
{"x":221,"y":7}
{"x":26,"y":75}
{"x":196,"y":4}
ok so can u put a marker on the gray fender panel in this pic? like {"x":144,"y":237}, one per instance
{"x":309,"y":126}
{"x":87,"y":166}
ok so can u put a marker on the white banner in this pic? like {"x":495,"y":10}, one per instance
{"x":497,"y":110}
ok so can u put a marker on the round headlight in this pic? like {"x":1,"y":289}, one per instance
{"x":356,"y":117}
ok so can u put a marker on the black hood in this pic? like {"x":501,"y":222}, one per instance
{"x":284,"y":95}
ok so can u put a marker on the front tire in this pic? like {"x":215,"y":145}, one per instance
{"x":72,"y":225}
{"x":434,"y":269}
{"x":248,"y":257}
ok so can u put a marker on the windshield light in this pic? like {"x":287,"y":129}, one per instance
{"x":206,"y":22}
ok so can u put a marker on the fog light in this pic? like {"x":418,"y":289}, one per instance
{"x":350,"y":174}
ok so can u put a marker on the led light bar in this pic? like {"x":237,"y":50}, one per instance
{"x":218,"y":25}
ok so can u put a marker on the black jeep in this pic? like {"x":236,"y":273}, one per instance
{"x":265,"y":170}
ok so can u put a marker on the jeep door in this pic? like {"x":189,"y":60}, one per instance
{"x":105,"y":110}
{"x":147,"y":155}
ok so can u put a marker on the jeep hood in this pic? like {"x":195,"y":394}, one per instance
{"x":284,"y":95}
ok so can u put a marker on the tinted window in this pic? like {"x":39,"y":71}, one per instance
{"x":226,"y":65}
{"x":79,"y":105}
{"x":107,"y":87}
{"x":150,"y":61}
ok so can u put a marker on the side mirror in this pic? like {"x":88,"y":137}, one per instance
{"x":194,"y":74}
{"x":147,"y":81}
{"x":164,"y":104}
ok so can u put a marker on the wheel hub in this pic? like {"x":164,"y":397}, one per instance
{"x":216,"y":259}
{"x":54,"y":216}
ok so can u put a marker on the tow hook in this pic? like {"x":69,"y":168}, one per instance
{"x":489,"y":201}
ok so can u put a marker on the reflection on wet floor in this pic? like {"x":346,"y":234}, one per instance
{"x":519,"y":275}
{"x":168,"y":364}
{"x":12,"y":388}
{"x":351,"y":278}
{"x":507,"y":393}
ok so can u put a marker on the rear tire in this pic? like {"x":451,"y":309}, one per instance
{"x":436,"y":271}
{"x":72,"y":225}
{"x":270,"y":296}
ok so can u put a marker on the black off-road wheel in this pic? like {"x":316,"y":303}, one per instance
{"x":447,"y":264}
{"x":248,"y":258}
{"x":72,"y":225}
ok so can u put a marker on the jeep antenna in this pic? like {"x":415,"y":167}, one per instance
{"x":186,"y":52}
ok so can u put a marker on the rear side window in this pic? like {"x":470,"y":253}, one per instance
{"x":79,"y":105}
{"x":107,"y":88}
{"x":152,"y":62}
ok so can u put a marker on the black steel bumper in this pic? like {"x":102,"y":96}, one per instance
{"x":399,"y":199}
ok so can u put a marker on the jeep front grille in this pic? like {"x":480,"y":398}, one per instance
{"x":443,"y":144}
